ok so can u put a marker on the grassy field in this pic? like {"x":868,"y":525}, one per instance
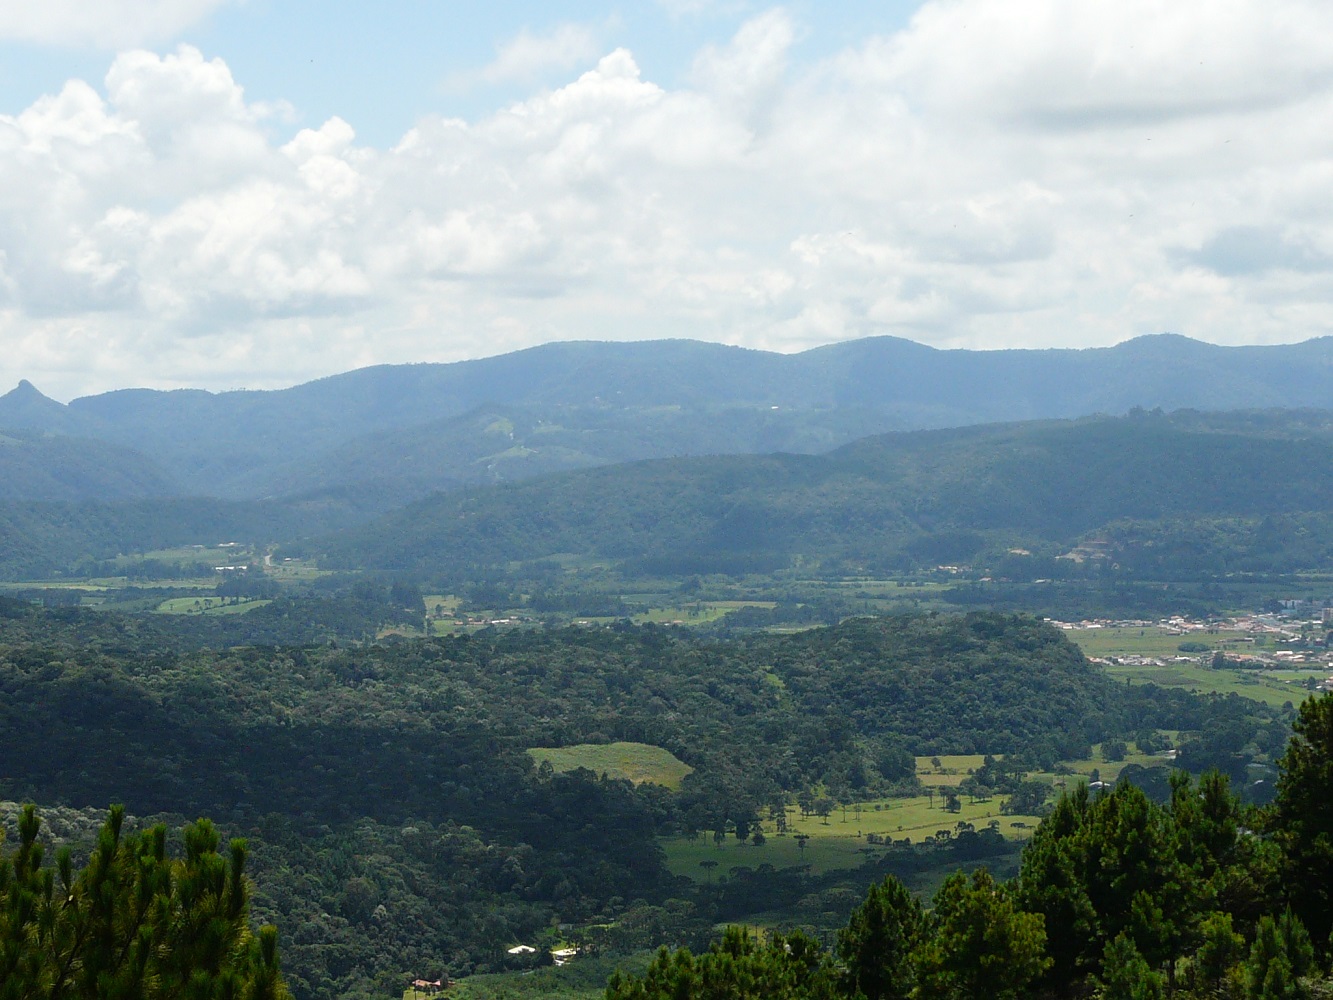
{"x":1147,"y":641}
{"x":209,"y":606}
{"x":293,"y":570}
{"x":1253,"y":684}
{"x":698,"y":613}
{"x":1273,"y":687}
{"x":94,"y":584}
{"x":953,"y":768}
{"x":442,"y":604}
{"x":636,"y":762}
{"x":840,"y":841}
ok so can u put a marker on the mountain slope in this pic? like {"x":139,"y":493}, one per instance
{"x":36,"y":466}
{"x":925,"y":496}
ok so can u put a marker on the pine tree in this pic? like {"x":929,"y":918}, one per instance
{"x":981,"y":946}
{"x":877,"y":944}
{"x":134,"y":923}
{"x":1126,"y":975}
{"x":1302,"y":815}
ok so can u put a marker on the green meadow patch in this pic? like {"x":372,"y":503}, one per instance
{"x":1252,"y":684}
{"x":839,"y":841}
{"x":636,"y":762}
{"x":1147,"y":640}
{"x":209,"y":606}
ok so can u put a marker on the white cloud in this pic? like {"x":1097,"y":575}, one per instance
{"x":748,"y":73}
{"x":1036,"y":173}
{"x":105,"y":24}
{"x":529,"y":58}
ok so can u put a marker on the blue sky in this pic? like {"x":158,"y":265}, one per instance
{"x":382,"y":66}
{"x":227,"y":193}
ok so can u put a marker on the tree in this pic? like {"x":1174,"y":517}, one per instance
{"x":1027,"y":798}
{"x":877,"y":944}
{"x":738,"y":967}
{"x":980,"y":946}
{"x":1125,"y":974}
{"x":1280,"y":956}
{"x":1217,"y":961}
{"x":1097,"y":867}
{"x":134,"y":922}
{"x":1302,"y":815}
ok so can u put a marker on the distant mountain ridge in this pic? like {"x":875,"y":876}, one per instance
{"x":917,"y":498}
{"x":399,"y":431}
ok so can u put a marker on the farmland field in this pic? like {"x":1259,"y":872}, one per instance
{"x":1251,"y":684}
{"x":1144,"y":641}
{"x":636,"y":762}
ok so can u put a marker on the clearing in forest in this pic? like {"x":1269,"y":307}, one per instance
{"x":636,"y":762}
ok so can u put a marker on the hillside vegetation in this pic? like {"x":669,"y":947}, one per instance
{"x":897,"y":500}
{"x":398,"y":823}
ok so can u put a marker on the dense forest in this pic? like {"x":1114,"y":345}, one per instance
{"x":397,"y":823}
{"x":1115,"y":497}
{"x":1182,"y":497}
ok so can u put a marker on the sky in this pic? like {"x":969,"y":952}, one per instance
{"x":254,"y":193}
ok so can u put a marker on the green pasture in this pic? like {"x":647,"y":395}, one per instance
{"x":696,"y":613}
{"x":441,"y":604}
{"x":636,"y":762}
{"x":294,"y":570}
{"x":61,"y":585}
{"x":952,"y":770}
{"x":838,"y":842}
{"x":1146,"y":641}
{"x":209,"y":606}
{"x":1253,"y":684}
{"x":955,"y":767}
{"x":188,"y":554}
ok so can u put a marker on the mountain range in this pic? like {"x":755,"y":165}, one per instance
{"x":382,"y":436}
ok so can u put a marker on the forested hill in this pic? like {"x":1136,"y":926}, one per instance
{"x":38,"y":466}
{"x":39,"y":540}
{"x":397,"y":820}
{"x":924,"y":497}
{"x":408,"y":428}
{"x":836,"y":707}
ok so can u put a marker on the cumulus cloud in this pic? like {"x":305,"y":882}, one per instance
{"x":1036,"y":173}
{"x":528,"y":58}
{"x":106,"y":24}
